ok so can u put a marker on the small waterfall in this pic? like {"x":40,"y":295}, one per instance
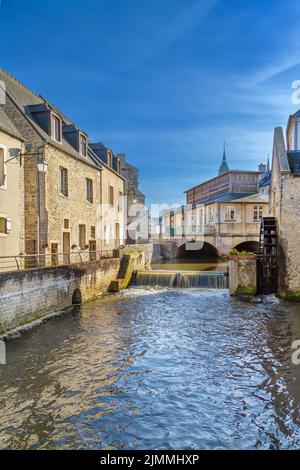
{"x":155,"y":278}
{"x":204,"y":280}
{"x":184,"y":279}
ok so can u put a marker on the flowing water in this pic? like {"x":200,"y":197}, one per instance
{"x":157,"y":369}
{"x":184,"y":279}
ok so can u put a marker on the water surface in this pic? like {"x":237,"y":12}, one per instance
{"x":156,"y":369}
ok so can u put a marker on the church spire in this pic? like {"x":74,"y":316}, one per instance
{"x":224,"y":167}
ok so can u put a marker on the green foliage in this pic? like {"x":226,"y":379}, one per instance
{"x":243,"y":291}
{"x":235,"y":252}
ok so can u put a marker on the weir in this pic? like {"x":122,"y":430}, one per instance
{"x":182,"y":279}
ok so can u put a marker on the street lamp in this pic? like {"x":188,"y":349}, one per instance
{"x":42,"y":166}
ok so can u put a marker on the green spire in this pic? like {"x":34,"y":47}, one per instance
{"x":224,"y":167}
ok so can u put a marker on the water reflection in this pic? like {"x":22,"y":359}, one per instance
{"x":156,"y":369}
{"x":192,"y":264}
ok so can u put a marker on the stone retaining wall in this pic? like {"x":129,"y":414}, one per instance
{"x":242,"y":276}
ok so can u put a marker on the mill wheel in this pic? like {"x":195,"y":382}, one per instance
{"x":267,"y":264}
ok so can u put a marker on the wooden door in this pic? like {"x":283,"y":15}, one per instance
{"x":66,"y":247}
{"x":92,"y":250}
{"x":54,"y":254}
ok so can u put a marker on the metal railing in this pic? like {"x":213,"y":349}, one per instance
{"x":35,"y":261}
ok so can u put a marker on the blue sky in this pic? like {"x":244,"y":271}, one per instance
{"x":164,"y":81}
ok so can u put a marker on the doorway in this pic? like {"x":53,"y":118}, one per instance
{"x":54,"y":254}
{"x":117,"y":240}
{"x":92,"y":250}
{"x":66,"y":247}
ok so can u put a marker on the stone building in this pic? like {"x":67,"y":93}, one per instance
{"x":222,"y":213}
{"x":285,"y":203}
{"x":11,"y":192}
{"x":64,"y":202}
{"x":137,"y":214}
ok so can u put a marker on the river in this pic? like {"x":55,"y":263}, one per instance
{"x":156,"y":369}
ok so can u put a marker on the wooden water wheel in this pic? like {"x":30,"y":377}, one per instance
{"x":267,"y":260}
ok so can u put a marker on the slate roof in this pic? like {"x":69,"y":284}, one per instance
{"x":101,"y":152}
{"x":24,"y":98}
{"x":228,"y":197}
{"x":7,"y":126}
{"x":266,"y":179}
{"x":294,"y":161}
{"x":238,"y":197}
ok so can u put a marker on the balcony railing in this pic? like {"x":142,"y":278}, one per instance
{"x":35,"y":261}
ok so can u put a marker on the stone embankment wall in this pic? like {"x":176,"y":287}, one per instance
{"x":26,"y":296}
{"x":242,"y":276}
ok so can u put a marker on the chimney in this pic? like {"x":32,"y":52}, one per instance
{"x":121,"y":157}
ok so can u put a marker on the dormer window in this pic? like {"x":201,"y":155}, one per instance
{"x":82,"y":145}
{"x":109,"y":158}
{"x":55,"y":127}
{"x":119,"y":166}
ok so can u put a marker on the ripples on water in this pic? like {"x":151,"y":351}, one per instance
{"x":156,"y":369}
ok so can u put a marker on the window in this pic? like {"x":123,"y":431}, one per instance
{"x":210,"y":214}
{"x":82,"y":237}
{"x":120,"y":203}
{"x":2,"y":168}
{"x":89,"y":190}
{"x":109,"y":158}
{"x":82,"y":145}
{"x":93,"y":232}
{"x":111,"y":196}
{"x":230,"y":213}
{"x":63,"y":181}
{"x":3,"y":225}
{"x":55,"y":127}
{"x":119,"y":166}
{"x":66,"y":224}
{"x":258,"y":213}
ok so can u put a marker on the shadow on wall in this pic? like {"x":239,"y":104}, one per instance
{"x":250,"y":246}
{"x":208,"y":251}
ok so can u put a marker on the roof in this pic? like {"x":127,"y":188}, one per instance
{"x":228,"y":197}
{"x":7,"y":126}
{"x":220,"y":176}
{"x":265,"y":179}
{"x":280,"y":150}
{"x":24,"y":98}
{"x":99,"y":151}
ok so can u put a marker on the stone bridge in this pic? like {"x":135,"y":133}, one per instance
{"x":208,"y":246}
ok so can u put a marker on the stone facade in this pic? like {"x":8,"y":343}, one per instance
{"x":285,"y":204}
{"x":11,"y":195}
{"x":87,"y":214}
{"x":242,"y":276}
{"x":137,"y":214}
{"x":26,"y":296}
{"x":225,"y":223}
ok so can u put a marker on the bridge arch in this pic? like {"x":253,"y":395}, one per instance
{"x":77,"y":297}
{"x":196,"y":249}
{"x":251,"y":246}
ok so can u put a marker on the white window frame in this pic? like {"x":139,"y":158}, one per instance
{"x":53,"y":117}
{"x":82,"y":137}
{"x":4,"y":148}
{"x":89,"y":190}
{"x":258,"y":213}
{"x":228,"y":213}
{"x":60,"y":181}
{"x":109,"y":158}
